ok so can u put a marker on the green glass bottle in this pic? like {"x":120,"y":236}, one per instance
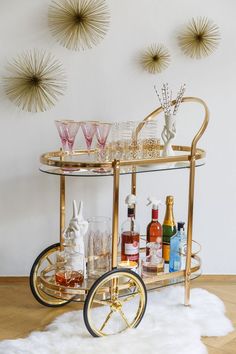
{"x":168,"y":228}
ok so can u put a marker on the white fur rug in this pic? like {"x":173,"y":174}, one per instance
{"x":167,"y":328}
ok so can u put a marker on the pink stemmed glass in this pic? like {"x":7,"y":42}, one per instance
{"x":102,"y":132}
{"x":88,"y":129}
{"x":67,"y":130}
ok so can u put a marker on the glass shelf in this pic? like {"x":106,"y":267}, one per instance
{"x":124,"y":170}
{"x":48,"y":285}
{"x":80,"y":164}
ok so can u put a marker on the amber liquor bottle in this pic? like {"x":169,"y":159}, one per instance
{"x":130,"y":233}
{"x":154,"y":229}
{"x":168,"y":228}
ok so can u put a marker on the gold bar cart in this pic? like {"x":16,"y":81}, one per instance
{"x":118,"y":287}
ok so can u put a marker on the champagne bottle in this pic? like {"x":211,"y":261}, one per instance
{"x":168,"y":228}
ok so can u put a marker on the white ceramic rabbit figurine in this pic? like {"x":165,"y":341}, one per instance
{"x":80,"y":227}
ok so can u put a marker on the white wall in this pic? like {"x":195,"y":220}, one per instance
{"x":107,"y":83}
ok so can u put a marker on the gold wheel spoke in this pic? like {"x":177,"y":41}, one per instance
{"x":102,"y":302}
{"x":131,"y":283}
{"x":115,"y":289}
{"x":124,"y":317}
{"x":130,"y":297}
{"x":106,"y":320}
{"x":49,"y":260}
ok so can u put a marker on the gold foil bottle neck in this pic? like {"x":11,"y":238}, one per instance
{"x":170,"y":199}
{"x":169,"y":216}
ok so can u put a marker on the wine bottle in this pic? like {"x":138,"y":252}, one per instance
{"x":154,"y":229}
{"x":168,"y":228}
{"x":130,"y":233}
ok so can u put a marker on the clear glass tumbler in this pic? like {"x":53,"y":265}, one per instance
{"x":149,"y":140}
{"x":99,"y":246}
{"x":126,"y":131}
{"x":135,"y":144}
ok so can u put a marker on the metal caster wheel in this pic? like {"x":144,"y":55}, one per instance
{"x":115,"y":302}
{"x":45,"y":258}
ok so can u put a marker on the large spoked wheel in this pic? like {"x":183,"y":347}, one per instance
{"x":115,"y":302}
{"x":45,"y":258}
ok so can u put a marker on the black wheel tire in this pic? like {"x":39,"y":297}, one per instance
{"x":94,"y":286}
{"x":39,"y":295}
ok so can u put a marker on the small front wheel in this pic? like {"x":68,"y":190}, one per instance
{"x":115,"y":302}
{"x":45,"y":258}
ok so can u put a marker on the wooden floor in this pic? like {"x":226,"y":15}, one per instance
{"x":21,"y":314}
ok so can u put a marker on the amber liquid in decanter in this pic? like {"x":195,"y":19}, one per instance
{"x":71,"y":279}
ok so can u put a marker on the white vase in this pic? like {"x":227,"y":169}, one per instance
{"x":168,"y":135}
{"x":168,"y":150}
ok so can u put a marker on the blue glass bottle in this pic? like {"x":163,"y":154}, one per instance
{"x":175,"y":258}
{"x":183,"y":249}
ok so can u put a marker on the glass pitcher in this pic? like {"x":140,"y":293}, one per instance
{"x":99,"y":246}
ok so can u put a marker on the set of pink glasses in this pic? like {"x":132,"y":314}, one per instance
{"x":68,"y":130}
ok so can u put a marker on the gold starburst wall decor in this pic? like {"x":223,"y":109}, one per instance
{"x":200,"y":38}
{"x":35,"y":81}
{"x":78,"y":24}
{"x":155,"y":59}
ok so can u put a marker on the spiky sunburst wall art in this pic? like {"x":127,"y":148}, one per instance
{"x":35,"y":81}
{"x":155,"y":59}
{"x":78,"y":24}
{"x":200,"y":38}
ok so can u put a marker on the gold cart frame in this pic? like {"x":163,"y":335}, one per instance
{"x":190,"y":154}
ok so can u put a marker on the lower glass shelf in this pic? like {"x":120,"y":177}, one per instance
{"x":47,"y":284}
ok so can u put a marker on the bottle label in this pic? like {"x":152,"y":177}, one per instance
{"x":166,"y":252}
{"x":132,"y":248}
{"x":183,"y":249}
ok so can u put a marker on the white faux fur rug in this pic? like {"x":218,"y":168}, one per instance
{"x":167,"y":328}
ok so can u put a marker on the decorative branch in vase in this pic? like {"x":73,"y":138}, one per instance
{"x":169,"y":130}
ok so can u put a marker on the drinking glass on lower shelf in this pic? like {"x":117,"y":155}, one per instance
{"x":99,"y":246}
